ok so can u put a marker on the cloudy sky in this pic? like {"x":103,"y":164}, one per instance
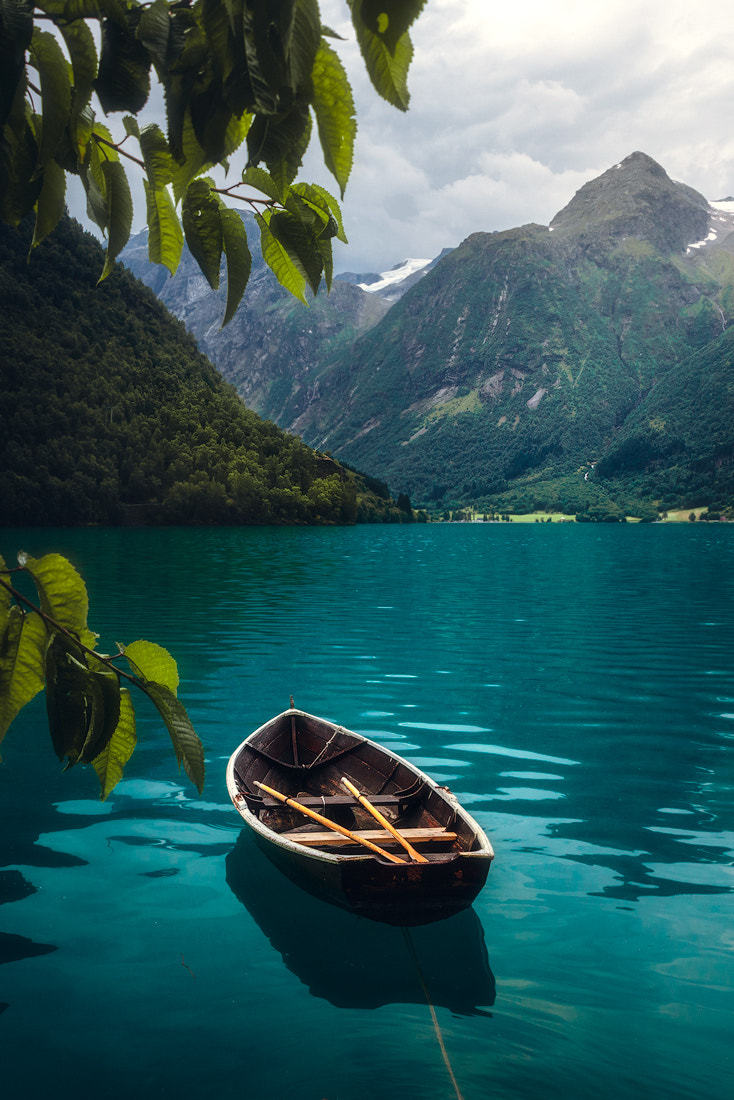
{"x":514,"y":107}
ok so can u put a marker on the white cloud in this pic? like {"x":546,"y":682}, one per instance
{"x":513,"y":109}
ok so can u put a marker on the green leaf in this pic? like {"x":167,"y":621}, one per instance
{"x":82,"y":703}
{"x":123,"y":79}
{"x":109,"y":764}
{"x":83,"y":127}
{"x":159,"y":164}
{"x":132,"y":129}
{"x":103,"y":694}
{"x":16,"y":31}
{"x":299,"y":244}
{"x":21,"y":186}
{"x":165,"y":236}
{"x":390,"y":19}
{"x":280,"y":142}
{"x":119,"y":213}
{"x":152,"y":662}
{"x":387,"y":69}
{"x":11,"y":625}
{"x":95,"y":9}
{"x":188,"y":748}
{"x":50,"y":205}
{"x":327,"y":259}
{"x":153,"y":31}
{"x":311,"y":213}
{"x":95,"y":186}
{"x":193,"y":159}
{"x":211,"y":118}
{"x":239,"y":260}
{"x":216,"y":24}
{"x":264,"y":182}
{"x":316,"y":193}
{"x":48,"y":58}
{"x":280,"y":263}
{"x":236,"y":132}
{"x":203,"y":229}
{"x":83,"y":54}
{"x":98,"y":151}
{"x":335,"y":114}
{"x":22,"y":656}
{"x":304,"y":43}
{"x":62,"y":593}
{"x":266,"y":33}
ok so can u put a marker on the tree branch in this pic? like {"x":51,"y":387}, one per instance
{"x":118,"y":149}
{"x":21,"y":599}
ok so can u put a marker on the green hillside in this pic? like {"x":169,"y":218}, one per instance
{"x":514,"y":366}
{"x":110,"y":414}
{"x":679,"y":443}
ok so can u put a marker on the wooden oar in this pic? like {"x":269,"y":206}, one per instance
{"x":414,"y":855}
{"x":329,"y":824}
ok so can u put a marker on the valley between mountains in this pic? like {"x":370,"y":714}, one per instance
{"x":584,"y":366}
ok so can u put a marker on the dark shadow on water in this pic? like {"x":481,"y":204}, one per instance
{"x":14,"y":887}
{"x":14,"y":948}
{"x":637,"y":881}
{"x":357,"y":963}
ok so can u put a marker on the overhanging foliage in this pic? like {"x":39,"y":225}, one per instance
{"x":91,"y":716}
{"x":239,"y":77}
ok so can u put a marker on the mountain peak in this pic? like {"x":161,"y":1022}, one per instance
{"x":641,"y":162}
{"x":636,"y":198}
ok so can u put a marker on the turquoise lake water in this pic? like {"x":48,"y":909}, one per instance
{"x":573,"y":684}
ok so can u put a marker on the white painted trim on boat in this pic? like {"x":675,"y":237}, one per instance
{"x":485,"y":850}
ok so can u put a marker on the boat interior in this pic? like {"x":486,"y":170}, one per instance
{"x":304,"y":758}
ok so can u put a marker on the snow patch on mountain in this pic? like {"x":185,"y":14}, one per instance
{"x":712,"y":235}
{"x":721,"y":224}
{"x":395,"y":275}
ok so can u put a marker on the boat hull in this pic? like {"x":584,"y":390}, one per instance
{"x":406,"y":893}
{"x":412,"y":895}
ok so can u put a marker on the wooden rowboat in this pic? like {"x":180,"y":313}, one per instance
{"x":307,"y":759}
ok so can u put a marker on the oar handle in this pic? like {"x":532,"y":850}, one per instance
{"x":329,"y":823}
{"x":363,"y":801}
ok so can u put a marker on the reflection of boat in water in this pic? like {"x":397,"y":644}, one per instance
{"x":308,"y":759}
{"x":357,"y":963}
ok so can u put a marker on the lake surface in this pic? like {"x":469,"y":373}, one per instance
{"x":575,"y":687}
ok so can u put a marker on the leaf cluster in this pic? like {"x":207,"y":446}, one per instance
{"x":91,"y":715}
{"x":239,"y":77}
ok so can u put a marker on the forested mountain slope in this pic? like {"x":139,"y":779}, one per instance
{"x":517,"y":361}
{"x":678,"y":442}
{"x":109,"y":413}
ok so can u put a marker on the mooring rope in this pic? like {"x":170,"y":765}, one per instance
{"x":432,"y":1010}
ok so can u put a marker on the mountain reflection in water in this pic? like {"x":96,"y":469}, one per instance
{"x":358,"y":963}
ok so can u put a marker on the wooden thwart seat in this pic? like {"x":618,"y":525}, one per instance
{"x":327,"y":839}
{"x":317,"y":801}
